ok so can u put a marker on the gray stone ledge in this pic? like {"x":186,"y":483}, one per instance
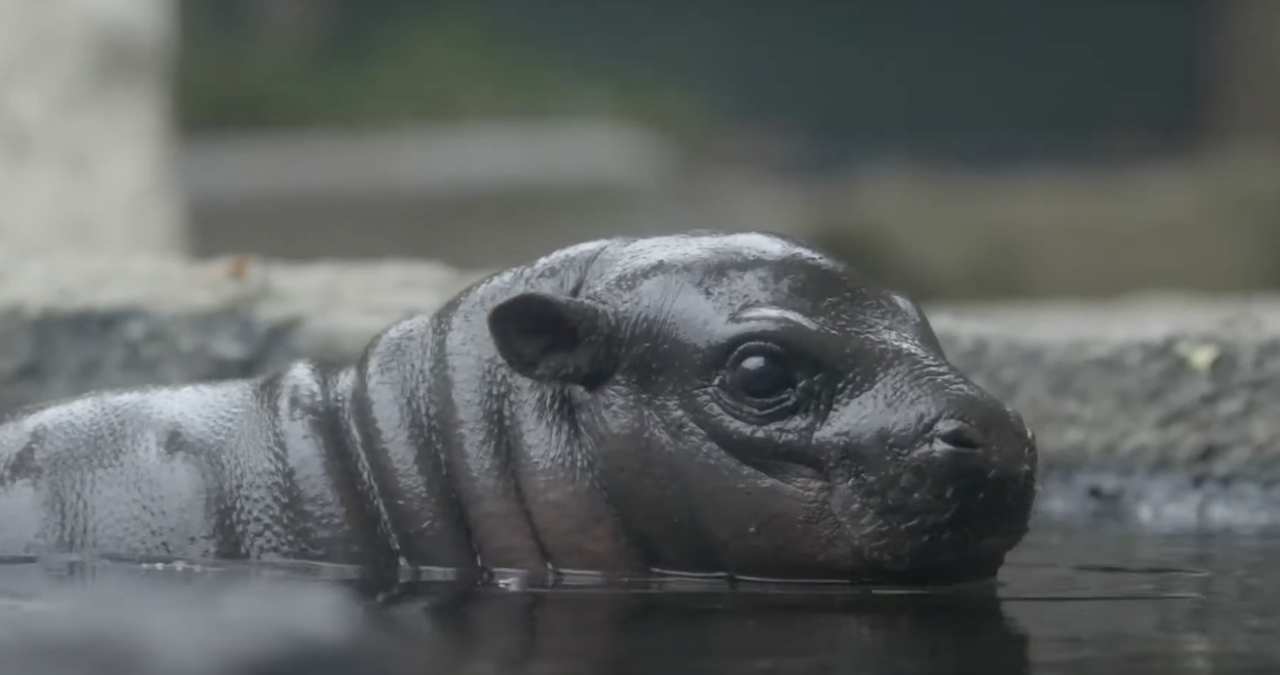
{"x":1159,"y":409}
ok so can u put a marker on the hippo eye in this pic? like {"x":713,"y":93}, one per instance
{"x":760,"y":372}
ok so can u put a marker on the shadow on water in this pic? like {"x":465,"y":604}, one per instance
{"x":1069,"y":602}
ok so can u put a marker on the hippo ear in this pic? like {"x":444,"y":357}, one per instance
{"x":552,"y":338}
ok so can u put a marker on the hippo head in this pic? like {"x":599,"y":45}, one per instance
{"x":750,"y":406}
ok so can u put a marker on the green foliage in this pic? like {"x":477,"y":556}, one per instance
{"x":445,"y":64}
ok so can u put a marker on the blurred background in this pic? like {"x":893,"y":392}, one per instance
{"x":987,"y":149}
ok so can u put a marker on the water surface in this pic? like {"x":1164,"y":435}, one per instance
{"x":1083,"y":600}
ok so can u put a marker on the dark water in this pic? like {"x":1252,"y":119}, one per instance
{"x":1070,"y":601}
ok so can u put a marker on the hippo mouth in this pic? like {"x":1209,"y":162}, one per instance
{"x":940,"y":530}
{"x":915,"y":526}
{"x":934,"y":540}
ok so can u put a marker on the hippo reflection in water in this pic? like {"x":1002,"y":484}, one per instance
{"x":707,"y":402}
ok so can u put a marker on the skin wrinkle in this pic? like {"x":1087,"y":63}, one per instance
{"x":325,"y":486}
{"x":510,"y":463}
{"x":367,"y":481}
{"x":510,"y":513}
{"x":434,"y":400}
{"x":389,"y":468}
{"x":337,"y":438}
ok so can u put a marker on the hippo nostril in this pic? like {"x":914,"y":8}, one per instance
{"x":958,"y":435}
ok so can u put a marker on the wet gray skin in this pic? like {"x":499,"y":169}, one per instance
{"x":709,"y":402}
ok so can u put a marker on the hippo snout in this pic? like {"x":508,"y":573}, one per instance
{"x":956,"y":494}
{"x":986,"y":470}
